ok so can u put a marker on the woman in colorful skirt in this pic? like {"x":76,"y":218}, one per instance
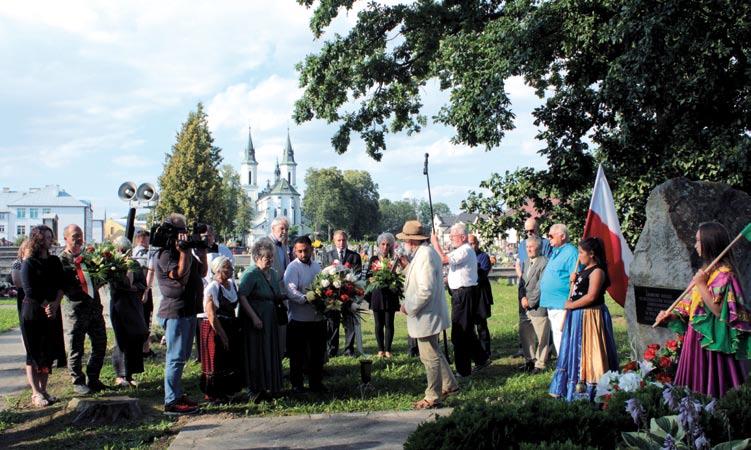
{"x":587,"y":347}
{"x":221,"y":343}
{"x":718,"y":319}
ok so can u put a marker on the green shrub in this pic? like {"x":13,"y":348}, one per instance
{"x":482,"y":426}
{"x":735,"y":406}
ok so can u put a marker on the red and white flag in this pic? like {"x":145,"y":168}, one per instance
{"x":602,"y":222}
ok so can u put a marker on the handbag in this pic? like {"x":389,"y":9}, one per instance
{"x":279,"y":307}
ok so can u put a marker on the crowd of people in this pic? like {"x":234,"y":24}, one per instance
{"x":243,"y":329}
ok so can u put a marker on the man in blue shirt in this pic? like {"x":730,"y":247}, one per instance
{"x":556,"y":279}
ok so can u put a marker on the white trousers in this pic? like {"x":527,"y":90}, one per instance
{"x":556,"y":317}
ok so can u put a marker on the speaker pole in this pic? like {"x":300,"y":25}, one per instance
{"x":130,"y":224}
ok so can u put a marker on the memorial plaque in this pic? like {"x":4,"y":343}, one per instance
{"x":651,"y":300}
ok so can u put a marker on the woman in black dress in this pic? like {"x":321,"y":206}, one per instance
{"x":128,"y":323}
{"x":42,"y":279}
{"x":383,"y":302}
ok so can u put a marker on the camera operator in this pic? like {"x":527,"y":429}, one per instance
{"x":180,"y":268}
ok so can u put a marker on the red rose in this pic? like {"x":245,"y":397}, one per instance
{"x":665,"y":362}
{"x":655,"y":347}
{"x":328,"y":292}
{"x":631,"y":366}
{"x":672,"y":345}
{"x":107,"y":255}
{"x":664,"y":378}
{"x":650,"y":354}
{"x":347,"y":265}
{"x":344,"y":297}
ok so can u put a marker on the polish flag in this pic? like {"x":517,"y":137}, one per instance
{"x":602,"y":222}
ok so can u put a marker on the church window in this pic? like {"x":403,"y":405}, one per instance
{"x":250,"y":177}
{"x":285,"y":212}
{"x":289,"y":177}
{"x":275,"y":212}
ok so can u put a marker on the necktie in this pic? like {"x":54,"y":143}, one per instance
{"x":341,"y":256}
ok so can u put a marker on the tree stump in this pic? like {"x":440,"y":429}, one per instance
{"x":89,"y":411}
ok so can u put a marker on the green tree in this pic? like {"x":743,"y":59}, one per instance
{"x":652,"y":90}
{"x":347,"y":200}
{"x":238,"y":210}
{"x":422,"y":209}
{"x":190,"y":183}
{"x":394,"y":214}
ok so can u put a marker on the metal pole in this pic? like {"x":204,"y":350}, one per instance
{"x":432,"y":225}
{"x":130,"y":224}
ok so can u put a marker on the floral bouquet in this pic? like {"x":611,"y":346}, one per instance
{"x":664,"y":359}
{"x":384,"y":276}
{"x":334,"y":287}
{"x":104,"y":263}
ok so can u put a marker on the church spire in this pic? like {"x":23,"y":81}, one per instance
{"x":250,"y":151}
{"x":288,"y":156}
{"x":277,"y":172}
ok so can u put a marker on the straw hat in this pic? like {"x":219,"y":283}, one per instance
{"x":412,"y":230}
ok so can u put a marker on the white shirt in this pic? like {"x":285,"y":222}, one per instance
{"x":297,"y":279}
{"x":462,"y":267}
{"x":212,"y":289}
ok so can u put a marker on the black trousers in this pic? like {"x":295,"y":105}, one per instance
{"x":483,"y":334}
{"x":333,"y":320}
{"x":466,"y":345}
{"x":306,"y":346}
{"x":384,"y":329}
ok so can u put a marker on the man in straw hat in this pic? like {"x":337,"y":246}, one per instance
{"x":427,"y":313}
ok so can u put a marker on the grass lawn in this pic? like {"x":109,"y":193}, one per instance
{"x":7,"y":301}
{"x":397,"y":383}
{"x":8,"y":316}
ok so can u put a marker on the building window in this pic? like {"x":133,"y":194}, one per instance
{"x":285,"y":212}
{"x":250,"y":177}
{"x":289,"y":177}
{"x":2,"y":228}
{"x":275,"y":210}
{"x":33,"y":213}
{"x":46,"y":210}
{"x":20,"y":213}
{"x":21,"y":230}
{"x":3,"y":216}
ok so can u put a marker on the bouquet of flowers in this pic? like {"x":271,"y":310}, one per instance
{"x":334,"y":287}
{"x":664,"y":359}
{"x":104,"y":263}
{"x":384,"y":276}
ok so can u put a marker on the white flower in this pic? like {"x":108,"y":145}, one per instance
{"x":350,"y":277}
{"x":645,"y":367}
{"x":325,"y":283}
{"x":603,"y":385}
{"x":310,"y":296}
{"x":629,"y":382}
{"x":330,"y":270}
{"x":337,"y":284}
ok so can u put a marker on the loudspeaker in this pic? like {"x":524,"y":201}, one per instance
{"x":147,"y":192}
{"x":127,"y":191}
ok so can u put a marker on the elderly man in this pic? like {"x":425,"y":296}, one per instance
{"x":279,"y":235}
{"x":533,"y":323}
{"x":462,"y":281}
{"x":82,"y":315}
{"x":483,"y":307}
{"x":344,"y":255}
{"x":145,"y":258}
{"x":306,"y":331}
{"x":427,"y":313}
{"x":556,"y":278}
{"x":531,"y":229}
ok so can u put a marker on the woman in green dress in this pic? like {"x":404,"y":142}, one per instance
{"x":260,"y":290}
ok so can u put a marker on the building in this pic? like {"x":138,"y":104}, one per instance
{"x":277,"y":198}
{"x":114,"y":228}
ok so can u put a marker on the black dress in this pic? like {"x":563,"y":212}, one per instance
{"x":381,"y":299}
{"x":42,"y":278}
{"x":128,"y":323}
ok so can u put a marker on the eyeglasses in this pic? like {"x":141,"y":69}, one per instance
{"x":529,"y":231}
{"x":550,"y":236}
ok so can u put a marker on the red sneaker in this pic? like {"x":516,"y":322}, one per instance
{"x":186,"y":401}
{"x":179,"y":408}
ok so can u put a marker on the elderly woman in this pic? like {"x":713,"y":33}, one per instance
{"x":42,"y":279}
{"x":260,"y":292}
{"x":128,"y":323}
{"x":383,"y":302}
{"x":221,"y":344}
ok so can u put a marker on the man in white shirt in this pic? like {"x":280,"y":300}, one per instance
{"x":306,"y":330}
{"x":462,"y":280}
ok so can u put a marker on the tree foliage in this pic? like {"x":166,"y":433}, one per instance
{"x":394,"y":214}
{"x":190,"y":183}
{"x":342,"y":200}
{"x":238,"y":208}
{"x":651,"y":90}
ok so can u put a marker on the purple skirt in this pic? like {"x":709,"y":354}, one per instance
{"x":707,"y":372}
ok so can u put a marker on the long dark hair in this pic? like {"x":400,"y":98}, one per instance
{"x":713,"y":239}
{"x":36,"y":239}
{"x":595,"y":246}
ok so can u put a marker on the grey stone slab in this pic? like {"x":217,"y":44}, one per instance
{"x":12,"y":363}
{"x":371,"y":430}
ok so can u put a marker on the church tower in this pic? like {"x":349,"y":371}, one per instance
{"x":249,"y":170}
{"x":288,"y":164}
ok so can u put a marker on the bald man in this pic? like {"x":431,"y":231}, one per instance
{"x":82,"y":315}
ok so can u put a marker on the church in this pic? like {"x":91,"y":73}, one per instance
{"x":277,"y":198}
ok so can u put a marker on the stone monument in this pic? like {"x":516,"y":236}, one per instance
{"x":665,"y":260}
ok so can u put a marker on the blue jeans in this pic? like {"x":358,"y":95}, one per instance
{"x":179,"y":333}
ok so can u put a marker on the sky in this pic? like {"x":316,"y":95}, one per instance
{"x":93,"y":93}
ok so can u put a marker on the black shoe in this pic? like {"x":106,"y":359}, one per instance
{"x":526,"y":367}
{"x":96,"y":385}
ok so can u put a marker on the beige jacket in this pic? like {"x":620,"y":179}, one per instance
{"x":424,"y":295}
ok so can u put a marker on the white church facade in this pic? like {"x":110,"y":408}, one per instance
{"x":278,"y":198}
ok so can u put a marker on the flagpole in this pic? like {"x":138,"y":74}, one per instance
{"x":706,"y":272}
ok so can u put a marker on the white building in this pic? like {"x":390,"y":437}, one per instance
{"x":52,"y":206}
{"x":279,"y":198}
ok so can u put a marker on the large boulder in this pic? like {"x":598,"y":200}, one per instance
{"x":664,"y":256}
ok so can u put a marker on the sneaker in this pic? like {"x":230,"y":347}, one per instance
{"x":81,"y":389}
{"x":186,"y":401}
{"x":178,"y":408}
{"x":96,"y":385}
